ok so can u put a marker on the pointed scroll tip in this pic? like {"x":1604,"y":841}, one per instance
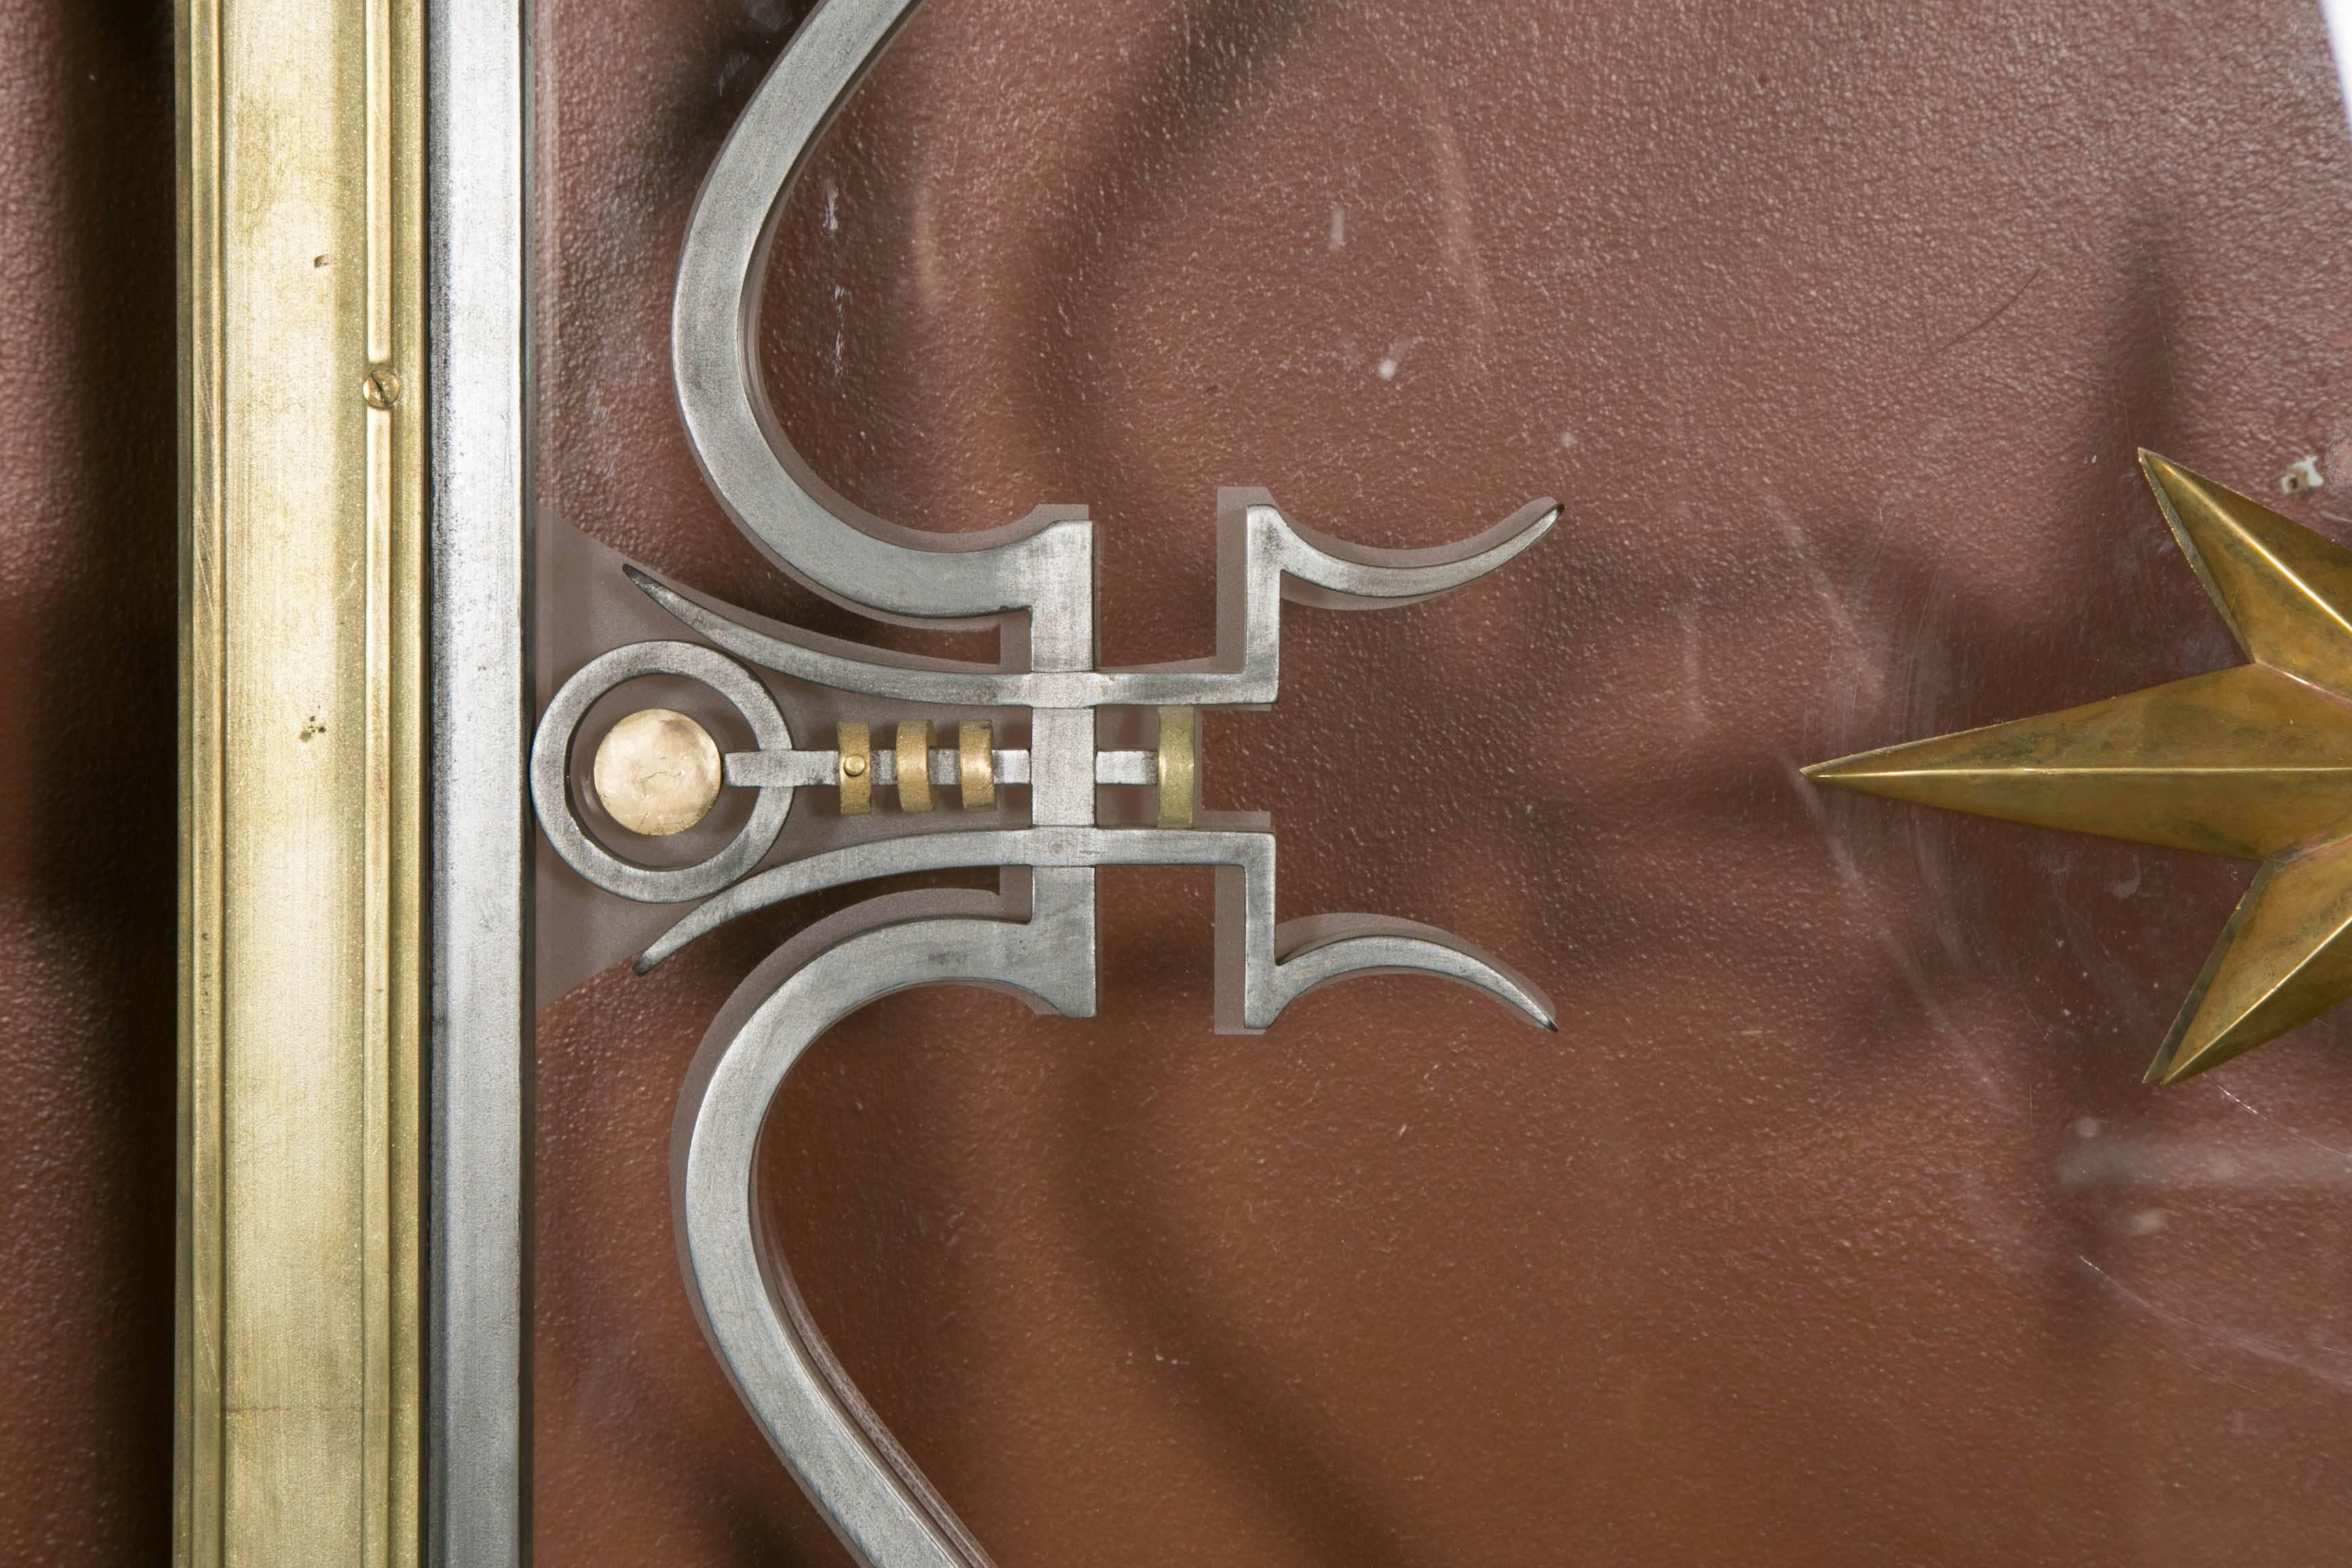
{"x":651,"y":586}
{"x":1336,"y":575}
{"x":668,"y":598}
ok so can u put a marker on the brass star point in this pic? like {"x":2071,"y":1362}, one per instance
{"x":2254,"y":761}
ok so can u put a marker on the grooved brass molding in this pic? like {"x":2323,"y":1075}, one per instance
{"x":2254,"y":761}
{"x":299,"y":239}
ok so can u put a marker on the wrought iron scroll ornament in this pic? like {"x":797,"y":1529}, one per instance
{"x":1034,"y":581}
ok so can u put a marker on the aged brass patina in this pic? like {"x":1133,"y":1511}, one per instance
{"x":1176,"y":772}
{"x":657,"y":772}
{"x":912,"y":756}
{"x":2254,"y":761}
{"x":976,"y":764}
{"x":854,"y":771}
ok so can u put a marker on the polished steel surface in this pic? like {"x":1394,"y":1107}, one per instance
{"x":1264,"y":960}
{"x":1263,"y":560}
{"x":1035,"y":580}
{"x":476,"y":1424}
{"x":2254,"y":761}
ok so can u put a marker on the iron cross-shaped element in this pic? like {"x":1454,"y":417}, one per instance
{"x":2254,"y":761}
{"x":1044,"y":700}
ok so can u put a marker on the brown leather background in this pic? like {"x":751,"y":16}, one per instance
{"x":1834,"y":1227}
{"x":86,"y":759}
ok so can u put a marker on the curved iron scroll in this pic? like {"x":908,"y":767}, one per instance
{"x":1034,"y":581}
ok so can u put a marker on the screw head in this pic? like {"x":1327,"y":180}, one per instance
{"x":382,"y":388}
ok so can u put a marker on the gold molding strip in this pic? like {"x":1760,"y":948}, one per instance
{"x":301,"y":236}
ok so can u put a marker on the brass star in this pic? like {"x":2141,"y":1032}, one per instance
{"x":2254,"y":761}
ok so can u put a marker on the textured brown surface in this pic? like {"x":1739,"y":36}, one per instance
{"x":86,"y":724}
{"x":1834,"y":1227}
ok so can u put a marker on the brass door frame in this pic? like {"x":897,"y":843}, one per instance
{"x":299,"y":129}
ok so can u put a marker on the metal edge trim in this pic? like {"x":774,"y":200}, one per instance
{"x":477,"y":1441}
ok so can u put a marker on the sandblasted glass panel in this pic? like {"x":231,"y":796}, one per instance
{"x":1834,"y":1225}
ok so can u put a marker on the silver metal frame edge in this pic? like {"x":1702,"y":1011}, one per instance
{"x":477,"y":1152}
